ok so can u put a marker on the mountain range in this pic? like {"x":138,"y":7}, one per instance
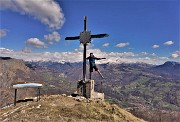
{"x":148,"y":91}
{"x":141,"y":88}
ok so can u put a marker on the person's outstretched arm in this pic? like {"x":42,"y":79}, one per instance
{"x":99,"y":58}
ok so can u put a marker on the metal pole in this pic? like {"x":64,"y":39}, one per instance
{"x":15,"y":94}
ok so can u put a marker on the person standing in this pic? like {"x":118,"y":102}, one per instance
{"x":92,"y":64}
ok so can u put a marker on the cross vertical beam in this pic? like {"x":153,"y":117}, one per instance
{"x":85,"y":23}
{"x":84,"y":53}
{"x":84,"y":63}
{"x":84,"y":59}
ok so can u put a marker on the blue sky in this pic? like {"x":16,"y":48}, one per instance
{"x":138,"y":29}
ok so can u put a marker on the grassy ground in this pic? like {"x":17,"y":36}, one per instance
{"x":57,"y":108}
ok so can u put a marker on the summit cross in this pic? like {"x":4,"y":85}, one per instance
{"x":85,"y":37}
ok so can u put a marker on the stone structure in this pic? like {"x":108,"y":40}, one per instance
{"x":87,"y":89}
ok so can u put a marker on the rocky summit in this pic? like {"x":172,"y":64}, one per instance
{"x":59,"y":108}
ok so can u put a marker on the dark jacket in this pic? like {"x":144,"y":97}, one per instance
{"x":92,"y":60}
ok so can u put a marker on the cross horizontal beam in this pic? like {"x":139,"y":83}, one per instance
{"x":92,"y":36}
{"x":73,"y":38}
{"x":99,"y":35}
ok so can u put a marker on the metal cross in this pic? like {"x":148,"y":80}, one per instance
{"x":85,"y":37}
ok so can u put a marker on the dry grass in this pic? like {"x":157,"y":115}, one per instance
{"x":57,"y":108}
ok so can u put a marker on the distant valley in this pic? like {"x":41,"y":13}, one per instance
{"x":143,"y":89}
{"x":138,"y":87}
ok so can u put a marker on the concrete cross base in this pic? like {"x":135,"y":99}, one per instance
{"x":87,"y":90}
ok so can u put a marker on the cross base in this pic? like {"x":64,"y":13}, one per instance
{"x":86,"y":89}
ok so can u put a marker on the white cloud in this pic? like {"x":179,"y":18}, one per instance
{"x":76,"y":56}
{"x":155,"y":46}
{"x":122,"y":44}
{"x":81,"y":47}
{"x":3,"y":33}
{"x":175,"y":54}
{"x":26,"y":50}
{"x":47,"y":12}
{"x":89,"y":45}
{"x":153,"y":54}
{"x":143,"y":54}
{"x":35,"y":42}
{"x":5,"y":50}
{"x":54,"y":36}
{"x":51,"y":43}
{"x":168,"y":43}
{"x":105,"y":45}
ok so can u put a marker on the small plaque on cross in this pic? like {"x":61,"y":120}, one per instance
{"x":85,"y":37}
